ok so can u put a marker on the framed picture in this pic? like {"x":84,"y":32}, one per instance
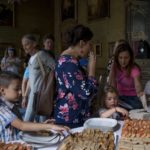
{"x":98,"y":49}
{"x":7,"y":14}
{"x":3,"y":47}
{"x":68,"y":10}
{"x":98,"y":9}
{"x":110,"y":49}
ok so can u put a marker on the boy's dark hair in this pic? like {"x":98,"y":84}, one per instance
{"x":6,"y":77}
{"x":48,"y":36}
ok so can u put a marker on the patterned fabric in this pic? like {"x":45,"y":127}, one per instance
{"x":7,"y":132}
{"x":74,"y":92}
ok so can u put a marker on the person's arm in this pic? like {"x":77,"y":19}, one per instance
{"x":24,"y":86}
{"x":138,"y":86}
{"x":140,"y":91}
{"x":122,"y":111}
{"x":29,"y":126}
{"x":25,"y":89}
{"x":91,"y":64}
{"x":107,"y":113}
{"x":111,"y":76}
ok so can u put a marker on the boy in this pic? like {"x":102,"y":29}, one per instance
{"x":10,"y":122}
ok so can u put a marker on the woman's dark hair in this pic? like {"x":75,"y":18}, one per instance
{"x":77,"y":33}
{"x":48,"y":36}
{"x":6,"y":77}
{"x":122,"y":48}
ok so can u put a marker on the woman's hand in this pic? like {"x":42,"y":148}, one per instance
{"x":92,"y":63}
{"x":24,"y":102}
{"x":123,"y":111}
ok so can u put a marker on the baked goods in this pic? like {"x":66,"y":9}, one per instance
{"x":136,"y":129}
{"x":14,"y":146}
{"x":135,"y":135}
{"x":89,"y":139}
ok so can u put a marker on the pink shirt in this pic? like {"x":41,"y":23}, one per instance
{"x":125,"y":84}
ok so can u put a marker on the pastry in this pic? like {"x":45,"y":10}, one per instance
{"x":89,"y":139}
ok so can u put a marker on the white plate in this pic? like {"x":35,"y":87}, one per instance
{"x":53,"y":139}
{"x":104,"y":124}
{"x":75,"y":130}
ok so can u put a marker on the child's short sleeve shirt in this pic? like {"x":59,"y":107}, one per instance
{"x":7,"y":132}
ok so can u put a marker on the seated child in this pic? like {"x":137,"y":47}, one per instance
{"x":10,"y":119}
{"x":112,"y":110}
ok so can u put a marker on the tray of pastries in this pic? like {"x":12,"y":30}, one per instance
{"x":135,"y":135}
{"x":88,"y":139}
{"x":14,"y":146}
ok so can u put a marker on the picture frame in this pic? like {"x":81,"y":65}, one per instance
{"x":98,"y":49}
{"x":7,"y":14}
{"x":68,"y":10}
{"x":111,"y":46}
{"x":98,"y":9}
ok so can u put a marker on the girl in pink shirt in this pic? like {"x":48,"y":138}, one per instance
{"x":125,"y":76}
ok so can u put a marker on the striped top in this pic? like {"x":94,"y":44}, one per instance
{"x":7,"y":132}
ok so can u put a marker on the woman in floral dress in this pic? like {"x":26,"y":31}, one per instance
{"x":75,"y":88}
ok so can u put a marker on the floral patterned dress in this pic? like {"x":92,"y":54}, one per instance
{"x":75,"y":91}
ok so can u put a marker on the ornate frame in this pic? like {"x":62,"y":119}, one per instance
{"x":98,"y":9}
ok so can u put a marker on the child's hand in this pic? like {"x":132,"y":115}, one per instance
{"x":123,"y":111}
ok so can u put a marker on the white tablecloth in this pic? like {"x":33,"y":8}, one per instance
{"x":117,"y":132}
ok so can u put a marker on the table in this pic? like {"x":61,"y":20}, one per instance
{"x":117,"y":132}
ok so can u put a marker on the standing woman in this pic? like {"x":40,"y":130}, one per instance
{"x":75,"y":88}
{"x":10,"y":62}
{"x":125,"y":76}
{"x":29,"y":43}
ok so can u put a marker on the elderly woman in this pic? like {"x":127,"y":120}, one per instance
{"x":29,"y":43}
